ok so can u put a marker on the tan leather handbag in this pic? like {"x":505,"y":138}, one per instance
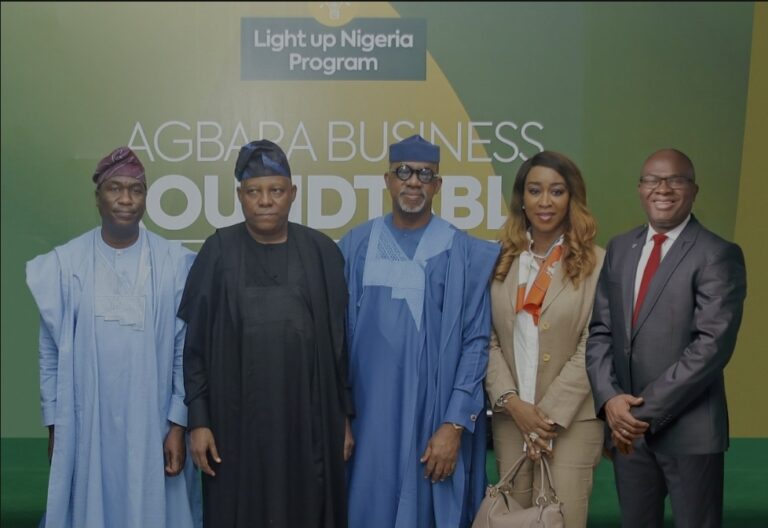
{"x":500,"y":510}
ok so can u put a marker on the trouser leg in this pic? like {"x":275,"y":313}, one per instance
{"x":695,"y":484}
{"x":641,"y":488}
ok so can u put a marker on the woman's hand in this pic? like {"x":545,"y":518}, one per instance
{"x":537,"y":428}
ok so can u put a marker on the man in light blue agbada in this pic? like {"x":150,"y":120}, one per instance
{"x":418,"y":328}
{"x":111,"y":381}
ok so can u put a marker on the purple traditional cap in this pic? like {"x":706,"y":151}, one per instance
{"x":261,"y":158}
{"x":414,"y":148}
{"x":120,"y":162}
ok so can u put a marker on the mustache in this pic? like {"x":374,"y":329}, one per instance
{"x":421,"y":192}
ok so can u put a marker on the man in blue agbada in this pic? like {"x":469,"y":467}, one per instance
{"x":418,"y":327}
{"x":111,"y":380}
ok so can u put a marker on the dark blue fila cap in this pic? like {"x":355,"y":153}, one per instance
{"x":261,"y":158}
{"x":414,"y":148}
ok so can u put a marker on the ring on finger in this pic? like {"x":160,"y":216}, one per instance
{"x":533,"y":436}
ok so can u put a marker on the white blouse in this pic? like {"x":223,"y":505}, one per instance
{"x":526,"y":337}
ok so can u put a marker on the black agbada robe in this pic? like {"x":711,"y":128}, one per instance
{"x":265,"y":368}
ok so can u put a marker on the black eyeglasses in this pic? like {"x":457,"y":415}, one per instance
{"x":673,"y":182}
{"x":425,"y":174}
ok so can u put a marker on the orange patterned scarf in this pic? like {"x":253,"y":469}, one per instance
{"x":532,"y":303}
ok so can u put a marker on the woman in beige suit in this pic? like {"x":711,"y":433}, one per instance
{"x":541,"y":297}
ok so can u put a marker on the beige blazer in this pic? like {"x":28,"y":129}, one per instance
{"x":562,"y":387}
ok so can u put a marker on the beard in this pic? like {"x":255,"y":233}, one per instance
{"x":417,"y":208}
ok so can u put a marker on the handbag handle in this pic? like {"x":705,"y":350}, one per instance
{"x":510,"y":475}
{"x":546,"y":476}
{"x":542,"y":497}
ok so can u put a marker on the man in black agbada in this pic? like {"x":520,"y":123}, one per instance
{"x":265,"y":361}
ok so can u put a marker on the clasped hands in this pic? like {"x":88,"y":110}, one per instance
{"x":625,"y":428}
{"x":537,"y":428}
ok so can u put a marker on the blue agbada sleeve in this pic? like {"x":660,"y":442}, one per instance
{"x":49,"y":364}
{"x":467,"y":399}
{"x":50,"y":277}
{"x":353,"y":248}
{"x":45,"y":278}
{"x":177,"y":410}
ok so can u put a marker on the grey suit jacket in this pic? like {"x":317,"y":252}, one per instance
{"x":685,"y":334}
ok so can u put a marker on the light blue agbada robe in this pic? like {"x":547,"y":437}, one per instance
{"x":111,"y":383}
{"x":418,"y":323}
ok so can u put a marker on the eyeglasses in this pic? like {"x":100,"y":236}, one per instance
{"x":425,"y":174}
{"x":673,"y":182}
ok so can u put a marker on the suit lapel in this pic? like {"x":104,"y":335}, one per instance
{"x":628,"y":278}
{"x":668,"y":265}
{"x":555,"y":286}
{"x":510,"y":284}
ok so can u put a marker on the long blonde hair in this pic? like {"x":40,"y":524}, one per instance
{"x":580,"y":229}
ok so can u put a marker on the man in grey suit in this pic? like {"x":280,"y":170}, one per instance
{"x":667,"y":311}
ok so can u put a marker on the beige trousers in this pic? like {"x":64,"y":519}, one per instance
{"x":576,"y":453}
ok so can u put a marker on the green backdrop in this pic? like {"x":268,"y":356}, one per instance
{"x":605,"y":83}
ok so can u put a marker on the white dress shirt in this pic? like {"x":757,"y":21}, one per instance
{"x":648,"y":247}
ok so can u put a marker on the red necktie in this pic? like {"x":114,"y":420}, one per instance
{"x":650,"y":268}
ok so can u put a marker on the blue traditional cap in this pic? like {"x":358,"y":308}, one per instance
{"x":414,"y":148}
{"x":261,"y":158}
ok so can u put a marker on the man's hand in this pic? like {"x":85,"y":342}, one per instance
{"x":625,"y":428}
{"x":174,"y":450}
{"x":624,"y":447}
{"x":200,"y":443}
{"x":349,"y":440}
{"x":441,"y":453}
